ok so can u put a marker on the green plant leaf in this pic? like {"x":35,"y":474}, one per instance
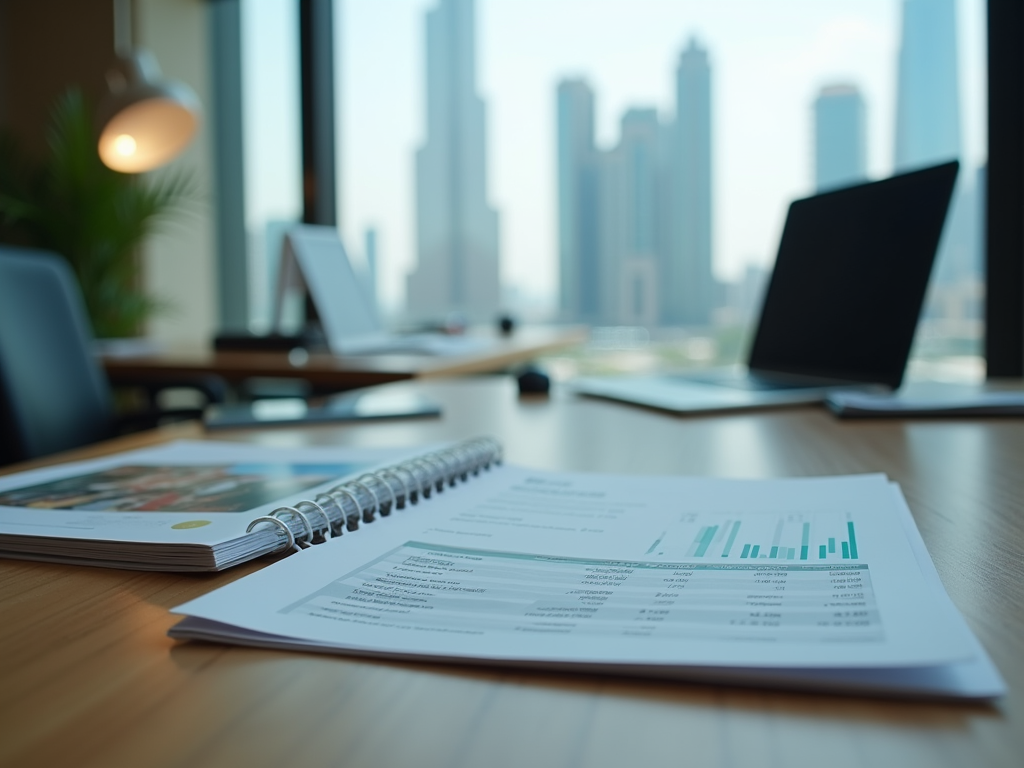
{"x":95,"y":217}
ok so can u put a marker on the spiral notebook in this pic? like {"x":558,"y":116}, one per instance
{"x":205,"y":506}
{"x":819,"y":583}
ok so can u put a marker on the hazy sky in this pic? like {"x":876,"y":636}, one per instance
{"x":768,"y":61}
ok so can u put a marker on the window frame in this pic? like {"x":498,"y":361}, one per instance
{"x":1004,"y":189}
{"x":1004,"y":204}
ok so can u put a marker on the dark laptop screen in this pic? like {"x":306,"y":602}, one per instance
{"x":850,"y":278}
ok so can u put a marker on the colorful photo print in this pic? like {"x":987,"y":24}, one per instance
{"x":225,"y":488}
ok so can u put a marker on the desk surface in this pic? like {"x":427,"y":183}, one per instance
{"x":326,"y":371}
{"x":90,"y":678}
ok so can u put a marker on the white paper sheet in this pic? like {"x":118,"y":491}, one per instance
{"x":529,"y":567}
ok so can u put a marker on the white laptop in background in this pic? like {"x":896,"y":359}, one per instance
{"x":841,"y":308}
{"x":314,"y":261}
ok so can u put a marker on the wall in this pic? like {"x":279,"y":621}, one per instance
{"x":48,"y":45}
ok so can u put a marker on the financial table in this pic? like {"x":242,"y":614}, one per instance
{"x":439,"y":589}
{"x":90,"y":678}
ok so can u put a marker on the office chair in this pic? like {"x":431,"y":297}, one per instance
{"x":54,"y":396}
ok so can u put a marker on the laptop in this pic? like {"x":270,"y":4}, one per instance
{"x":840,"y":310}
{"x":314,"y":261}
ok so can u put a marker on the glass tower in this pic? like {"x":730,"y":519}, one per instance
{"x":456,"y":229}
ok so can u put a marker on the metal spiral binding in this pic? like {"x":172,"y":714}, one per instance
{"x":378,"y":494}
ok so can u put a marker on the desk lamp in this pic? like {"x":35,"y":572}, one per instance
{"x":145,"y":120}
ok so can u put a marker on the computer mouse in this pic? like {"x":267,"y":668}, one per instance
{"x":533,"y":381}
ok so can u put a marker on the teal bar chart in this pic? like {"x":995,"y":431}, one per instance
{"x":800,"y":537}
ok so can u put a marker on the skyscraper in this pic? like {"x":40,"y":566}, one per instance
{"x":631,"y":222}
{"x":456,"y":229}
{"x":927,"y":96}
{"x":578,"y":243}
{"x":840,"y":144}
{"x":688,"y":285}
{"x":928,"y":129}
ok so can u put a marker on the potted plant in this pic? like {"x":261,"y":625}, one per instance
{"x":70,"y":203}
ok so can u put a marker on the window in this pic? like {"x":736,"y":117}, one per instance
{"x":721,"y":110}
{"x":271,"y":137}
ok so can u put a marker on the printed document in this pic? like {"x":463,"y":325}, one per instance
{"x":650,"y":575}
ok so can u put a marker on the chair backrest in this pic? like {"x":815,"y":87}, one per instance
{"x":53,"y":394}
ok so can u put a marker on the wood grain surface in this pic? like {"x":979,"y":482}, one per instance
{"x":327,"y":371}
{"x":89,"y":678}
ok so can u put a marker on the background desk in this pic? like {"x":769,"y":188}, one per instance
{"x":326,"y":372}
{"x":88,"y":676}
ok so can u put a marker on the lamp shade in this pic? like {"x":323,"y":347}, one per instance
{"x":145,"y":121}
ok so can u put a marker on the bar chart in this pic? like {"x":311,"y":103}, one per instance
{"x":810,"y":537}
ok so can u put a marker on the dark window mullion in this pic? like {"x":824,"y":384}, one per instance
{"x":316,"y":54}
{"x":229,"y":164}
{"x":1004,"y":205}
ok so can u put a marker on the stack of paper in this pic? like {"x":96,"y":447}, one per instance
{"x":813,"y":583}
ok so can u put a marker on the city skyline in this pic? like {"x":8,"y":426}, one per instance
{"x":768,"y":76}
{"x":635,"y":220}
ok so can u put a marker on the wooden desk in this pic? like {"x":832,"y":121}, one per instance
{"x":88,"y":676}
{"x":330,"y":372}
